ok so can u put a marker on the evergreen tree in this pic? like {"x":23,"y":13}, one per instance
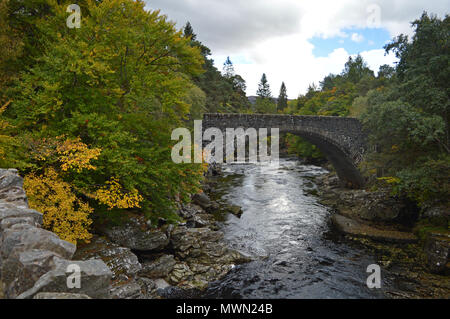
{"x":264,"y":88}
{"x":282,"y":98}
{"x":228,"y":69}
{"x":224,"y":93}
{"x":189,"y":32}
{"x":355,"y":69}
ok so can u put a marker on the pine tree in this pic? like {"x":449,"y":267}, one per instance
{"x":189,"y":31}
{"x":282,"y":98}
{"x":264,"y":88}
{"x":228,"y":69}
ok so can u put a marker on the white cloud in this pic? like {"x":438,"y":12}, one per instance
{"x":356,"y":37}
{"x":273,"y":34}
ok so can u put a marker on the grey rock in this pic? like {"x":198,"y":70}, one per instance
{"x":9,"y":222}
{"x":189,"y":210}
{"x":202,"y":220}
{"x":60,"y":295}
{"x":22,"y":269}
{"x":437,"y":252}
{"x":130,"y":290}
{"x":95,"y":279}
{"x":120,"y":260}
{"x":8,"y":210}
{"x":436,"y":211}
{"x":235,"y":210}
{"x":22,"y":237}
{"x":202,"y":200}
{"x":203,"y":255}
{"x":136,"y":235}
{"x":158,"y":268}
{"x":161,"y":283}
{"x":180,"y":273}
{"x":11,"y":188}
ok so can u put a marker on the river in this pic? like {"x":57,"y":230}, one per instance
{"x":286,"y":231}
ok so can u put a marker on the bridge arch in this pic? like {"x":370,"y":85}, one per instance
{"x":340,"y":139}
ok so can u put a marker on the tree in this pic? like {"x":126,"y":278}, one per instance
{"x":356,"y":69}
{"x":282,"y":98}
{"x":264,"y":88}
{"x":224,"y":93}
{"x":423,"y":68}
{"x":228,"y":69}
{"x":189,"y":32}
{"x":95,"y":111}
{"x":408,"y":118}
{"x":265,"y":106}
{"x":386,"y":71}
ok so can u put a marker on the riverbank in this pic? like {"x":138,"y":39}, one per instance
{"x":416,"y":260}
{"x":159,"y":261}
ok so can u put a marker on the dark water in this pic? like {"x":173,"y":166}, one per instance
{"x":287,"y":232}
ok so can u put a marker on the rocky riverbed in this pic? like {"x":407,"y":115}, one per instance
{"x":386,"y":226}
{"x":153,"y":262}
{"x":297,"y":235}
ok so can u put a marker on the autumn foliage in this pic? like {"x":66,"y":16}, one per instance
{"x":90,"y":111}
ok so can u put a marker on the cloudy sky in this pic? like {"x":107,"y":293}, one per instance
{"x":296,"y":41}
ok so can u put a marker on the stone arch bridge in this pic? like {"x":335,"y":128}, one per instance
{"x":341,"y":139}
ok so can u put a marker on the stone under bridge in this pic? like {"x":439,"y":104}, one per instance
{"x":341,"y":139}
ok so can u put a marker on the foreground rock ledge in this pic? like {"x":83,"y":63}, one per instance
{"x":35,"y":261}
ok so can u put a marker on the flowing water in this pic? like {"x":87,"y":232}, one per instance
{"x":287,"y":232}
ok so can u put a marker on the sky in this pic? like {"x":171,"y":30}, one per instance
{"x":296,"y":41}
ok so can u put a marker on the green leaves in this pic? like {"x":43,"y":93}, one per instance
{"x":408,"y":121}
{"x":121,"y":83}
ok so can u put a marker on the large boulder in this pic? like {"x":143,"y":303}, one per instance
{"x":137,"y":235}
{"x":95,"y":279}
{"x":11,"y":221}
{"x":158,"y":268}
{"x":120,"y":260}
{"x":205,"y":202}
{"x":11,"y":188}
{"x":22,"y":269}
{"x":9,"y":210}
{"x":202,"y":200}
{"x":203,"y":257}
{"x":23,"y":237}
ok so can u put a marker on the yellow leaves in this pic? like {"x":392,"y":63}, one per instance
{"x":73,"y":154}
{"x":64,"y":213}
{"x":113,"y":196}
{"x":390,"y":180}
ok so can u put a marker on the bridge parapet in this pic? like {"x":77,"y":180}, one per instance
{"x":341,"y":139}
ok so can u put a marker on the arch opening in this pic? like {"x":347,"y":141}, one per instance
{"x":346,"y":170}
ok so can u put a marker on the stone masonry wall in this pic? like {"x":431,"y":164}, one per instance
{"x":341,"y":139}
